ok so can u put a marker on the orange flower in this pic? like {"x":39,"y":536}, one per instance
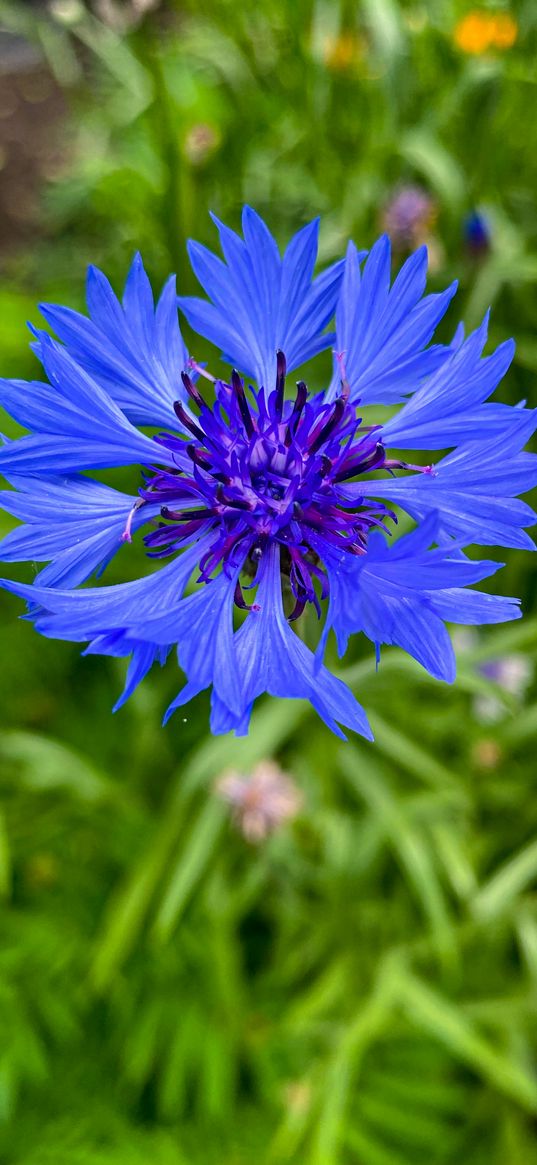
{"x":479,"y":31}
{"x":506,"y":30}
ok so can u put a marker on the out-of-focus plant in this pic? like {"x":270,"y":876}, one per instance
{"x":359,"y":988}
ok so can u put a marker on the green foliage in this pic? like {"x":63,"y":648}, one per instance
{"x":361,"y":988}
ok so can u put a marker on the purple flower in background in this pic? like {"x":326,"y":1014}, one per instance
{"x":265,"y":503}
{"x":513,"y":673}
{"x":262,"y":802}
{"x":409,"y":216}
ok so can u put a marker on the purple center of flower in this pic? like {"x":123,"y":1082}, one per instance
{"x":260,"y":470}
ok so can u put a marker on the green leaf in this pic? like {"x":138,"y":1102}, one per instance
{"x":410,"y":756}
{"x":44,"y":764}
{"x":440,"y":169}
{"x":497,"y":896}
{"x":127,"y":911}
{"x":196,"y":852}
{"x":5,"y":860}
{"x":409,"y":842}
{"x":384,"y":20}
{"x":447,"y":1023}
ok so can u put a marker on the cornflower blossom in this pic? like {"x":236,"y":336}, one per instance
{"x":261,"y":802}
{"x":265,"y":504}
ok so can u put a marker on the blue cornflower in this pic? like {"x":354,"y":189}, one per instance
{"x":265,"y":503}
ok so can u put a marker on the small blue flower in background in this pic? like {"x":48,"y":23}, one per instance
{"x":477,"y":233}
{"x":265,"y":502}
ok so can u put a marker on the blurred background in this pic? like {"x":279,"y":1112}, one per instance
{"x":283,"y":949}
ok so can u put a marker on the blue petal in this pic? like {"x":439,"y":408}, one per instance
{"x":79,"y":426}
{"x":400,"y":595}
{"x":449,"y":407}
{"x":80,"y":615}
{"x":474,"y":607}
{"x":261,"y":302}
{"x":382,"y":333}
{"x":142,"y":657}
{"x":135,"y":352}
{"x":146,"y":618}
{"x":472,"y":488}
{"x":203,"y":629}
{"x":74,"y":523}
{"x":271,"y":658}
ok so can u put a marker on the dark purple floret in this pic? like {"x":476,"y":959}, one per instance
{"x":267,"y":470}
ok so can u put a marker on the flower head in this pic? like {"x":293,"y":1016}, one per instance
{"x":342,"y":52}
{"x":479,"y":31}
{"x":200,"y":143}
{"x":262,"y":802}
{"x":265,"y":503}
{"x":477,"y":233}
{"x":409,"y":216}
{"x":513,"y":673}
{"x":266,"y":476}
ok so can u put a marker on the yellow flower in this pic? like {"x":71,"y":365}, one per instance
{"x":343,"y":51}
{"x":479,"y":31}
